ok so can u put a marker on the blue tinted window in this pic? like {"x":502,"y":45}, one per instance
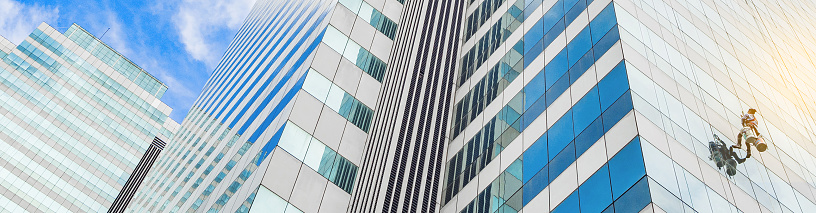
{"x":598,"y":190}
{"x":626,"y":167}
{"x":533,"y":53}
{"x":569,"y":205}
{"x":581,"y":66}
{"x":603,"y":23}
{"x":606,"y":42}
{"x":589,"y":136}
{"x":617,"y":111}
{"x":576,"y":10}
{"x":532,"y":36}
{"x":560,"y":134}
{"x":613,"y":85}
{"x":561,"y":161}
{"x":553,"y":32}
{"x":635,"y":199}
{"x":535,"y":185}
{"x":609,"y":209}
{"x":535,"y":110}
{"x":556,"y":68}
{"x":569,"y":4}
{"x":530,"y":8}
{"x":586,"y":110}
{"x":534,"y":90}
{"x":579,"y":46}
{"x":553,"y":15}
{"x":558,"y":88}
{"x":535,"y":157}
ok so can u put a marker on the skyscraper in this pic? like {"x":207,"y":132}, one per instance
{"x":76,"y":119}
{"x":302,"y":76}
{"x":500,"y":106}
{"x":609,"y":106}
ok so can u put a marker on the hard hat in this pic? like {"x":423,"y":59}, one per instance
{"x":751,"y":111}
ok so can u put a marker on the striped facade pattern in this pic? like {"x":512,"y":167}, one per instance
{"x":687,"y":69}
{"x":77,"y":116}
{"x":138,"y":175}
{"x":558,"y":115}
{"x":239,"y":127}
{"x":402,"y":163}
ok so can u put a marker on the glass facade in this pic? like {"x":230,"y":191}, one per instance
{"x":282,"y":122}
{"x":77,"y":118}
{"x":557,"y":105}
{"x":609,"y":106}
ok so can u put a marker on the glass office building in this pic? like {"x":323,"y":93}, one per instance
{"x":76,"y":119}
{"x":609,"y":106}
{"x":499,"y":106}
{"x":282,"y":122}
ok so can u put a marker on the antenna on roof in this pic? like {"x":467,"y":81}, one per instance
{"x":103,"y":34}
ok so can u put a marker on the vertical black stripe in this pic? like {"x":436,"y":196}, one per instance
{"x":419,"y":87}
{"x":132,"y":185}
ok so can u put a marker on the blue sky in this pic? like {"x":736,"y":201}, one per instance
{"x":178,"y":41}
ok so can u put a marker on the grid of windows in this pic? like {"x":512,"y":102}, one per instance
{"x":71,"y":133}
{"x":692,"y":67}
{"x":242,"y":115}
{"x":372,"y":16}
{"x":338,"y":100}
{"x":116,"y":61}
{"x":526,"y":106}
{"x":355,"y":53}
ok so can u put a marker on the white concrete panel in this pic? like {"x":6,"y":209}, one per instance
{"x":489,"y":173}
{"x":381,"y":46}
{"x":648,"y":209}
{"x":282,"y":172}
{"x":577,"y":25}
{"x":335,"y":200}
{"x":594,"y":157}
{"x":563,"y":186}
{"x":609,"y":60}
{"x":555,"y":47}
{"x":583,"y":85}
{"x":651,"y":132}
{"x":596,"y":7}
{"x":511,"y":152}
{"x":392,"y":9}
{"x":363,"y":33}
{"x":466,"y":195}
{"x":368,"y":91}
{"x":448,"y":209}
{"x":343,"y":19}
{"x":540,"y":203}
{"x":353,"y":143}
{"x":329,"y":128}
{"x":618,"y":136}
{"x":308,"y":191}
{"x":306,"y":111}
{"x":557,"y":109}
{"x":348,"y":76}
{"x":684,"y":157}
{"x":326,"y":60}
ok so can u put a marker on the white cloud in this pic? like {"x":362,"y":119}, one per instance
{"x":18,"y":20}
{"x":116,"y":36}
{"x":200,"y":22}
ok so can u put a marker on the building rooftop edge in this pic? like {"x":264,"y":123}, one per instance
{"x":115,"y":51}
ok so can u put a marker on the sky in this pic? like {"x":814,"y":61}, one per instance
{"x":178,"y":41}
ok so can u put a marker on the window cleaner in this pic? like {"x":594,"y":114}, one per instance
{"x":750,"y":134}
